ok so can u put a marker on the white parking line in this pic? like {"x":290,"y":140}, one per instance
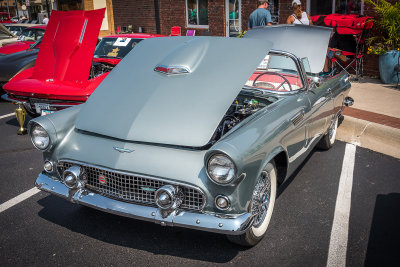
{"x":7,"y":115}
{"x":14,"y":201}
{"x":340,"y":228}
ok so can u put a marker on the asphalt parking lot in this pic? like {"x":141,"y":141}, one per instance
{"x":308,"y":226}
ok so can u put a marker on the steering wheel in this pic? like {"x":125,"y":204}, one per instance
{"x":270,"y":84}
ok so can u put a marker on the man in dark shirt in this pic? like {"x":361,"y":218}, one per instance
{"x":261,"y":16}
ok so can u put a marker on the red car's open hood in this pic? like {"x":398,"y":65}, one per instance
{"x":68,"y":45}
{"x":66,"y":51}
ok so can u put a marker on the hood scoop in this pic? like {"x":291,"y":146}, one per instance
{"x":184,"y":58}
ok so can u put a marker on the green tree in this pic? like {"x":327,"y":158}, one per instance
{"x":388,"y":21}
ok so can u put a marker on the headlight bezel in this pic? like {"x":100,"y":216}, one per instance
{"x":211,"y":176}
{"x":31,"y":127}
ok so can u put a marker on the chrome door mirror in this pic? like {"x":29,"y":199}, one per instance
{"x":315,"y":82}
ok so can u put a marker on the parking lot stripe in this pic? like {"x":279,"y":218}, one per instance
{"x":14,"y":201}
{"x":340,"y":227}
{"x":7,"y":115}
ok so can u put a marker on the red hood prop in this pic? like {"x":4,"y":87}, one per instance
{"x":68,"y":45}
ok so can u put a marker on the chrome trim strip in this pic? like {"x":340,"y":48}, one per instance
{"x":83,"y":31}
{"x":211,"y":222}
{"x":133,"y":174}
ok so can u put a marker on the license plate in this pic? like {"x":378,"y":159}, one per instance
{"x":46,"y":112}
{"x":40,"y":106}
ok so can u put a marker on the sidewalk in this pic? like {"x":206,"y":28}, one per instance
{"x":373,"y":121}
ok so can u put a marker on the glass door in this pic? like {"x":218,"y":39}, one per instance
{"x":233,"y":17}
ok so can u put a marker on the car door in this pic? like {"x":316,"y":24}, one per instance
{"x":321,"y":109}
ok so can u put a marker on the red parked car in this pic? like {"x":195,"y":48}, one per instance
{"x":68,"y":70}
{"x":110,"y":51}
{"x":28,"y":37}
{"x":5,"y":18}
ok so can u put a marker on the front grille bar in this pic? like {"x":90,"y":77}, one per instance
{"x":132,"y":188}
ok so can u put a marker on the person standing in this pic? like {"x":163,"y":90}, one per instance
{"x":45,"y":19}
{"x":299,"y":16}
{"x":261,"y":16}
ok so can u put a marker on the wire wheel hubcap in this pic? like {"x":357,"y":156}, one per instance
{"x":261,"y":198}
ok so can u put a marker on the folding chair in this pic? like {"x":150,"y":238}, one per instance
{"x":190,"y":32}
{"x":175,"y":31}
{"x":359,"y":27}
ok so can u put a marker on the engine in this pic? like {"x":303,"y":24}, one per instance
{"x":240,"y":109}
{"x":99,"y":68}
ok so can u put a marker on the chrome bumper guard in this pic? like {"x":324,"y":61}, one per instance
{"x":201,"y":221}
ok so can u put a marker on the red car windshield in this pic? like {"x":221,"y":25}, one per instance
{"x":112,"y":47}
{"x":31,"y":34}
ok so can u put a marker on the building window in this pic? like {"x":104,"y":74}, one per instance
{"x":197,"y":13}
{"x":316,"y":7}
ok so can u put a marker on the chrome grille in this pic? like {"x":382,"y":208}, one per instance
{"x":131,"y":188}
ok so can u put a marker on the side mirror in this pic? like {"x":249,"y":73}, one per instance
{"x":315,"y":81}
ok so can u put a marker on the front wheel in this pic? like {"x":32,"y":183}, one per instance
{"x":262,"y":205}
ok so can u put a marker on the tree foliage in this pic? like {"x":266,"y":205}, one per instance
{"x":388,"y":20}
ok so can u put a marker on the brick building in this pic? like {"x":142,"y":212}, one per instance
{"x":207,"y":17}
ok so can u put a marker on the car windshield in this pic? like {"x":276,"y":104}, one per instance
{"x":31,"y":34}
{"x":276,"y":73}
{"x":113,"y":47}
{"x":14,"y":29}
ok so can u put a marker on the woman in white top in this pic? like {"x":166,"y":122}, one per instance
{"x":298,"y":16}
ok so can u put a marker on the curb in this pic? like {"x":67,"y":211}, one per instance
{"x":374,"y":136}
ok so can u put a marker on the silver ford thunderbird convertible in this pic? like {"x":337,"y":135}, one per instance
{"x":197,"y":132}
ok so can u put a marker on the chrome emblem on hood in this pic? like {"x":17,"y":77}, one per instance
{"x":123,"y":150}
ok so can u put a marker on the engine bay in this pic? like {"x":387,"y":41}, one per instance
{"x":245,"y":105}
{"x":99,"y":68}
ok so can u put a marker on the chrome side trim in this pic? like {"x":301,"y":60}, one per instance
{"x":134,"y":174}
{"x":211,"y":222}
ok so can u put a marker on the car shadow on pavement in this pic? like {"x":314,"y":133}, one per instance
{"x":383,"y":244}
{"x":290,"y":179}
{"x":136,"y":234}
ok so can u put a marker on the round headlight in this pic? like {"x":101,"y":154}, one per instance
{"x":221,"y":169}
{"x":40,"y":138}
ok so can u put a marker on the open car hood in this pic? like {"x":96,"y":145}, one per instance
{"x":5,"y":33}
{"x":68,"y":45}
{"x":137,"y":103}
{"x":301,"y":40}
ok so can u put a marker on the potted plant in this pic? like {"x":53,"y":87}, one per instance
{"x":387,"y":43}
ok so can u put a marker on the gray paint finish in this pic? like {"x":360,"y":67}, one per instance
{"x":138,"y":104}
{"x":301,"y":40}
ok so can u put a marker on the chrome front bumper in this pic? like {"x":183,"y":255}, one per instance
{"x":28,"y":106}
{"x":210,"y":222}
